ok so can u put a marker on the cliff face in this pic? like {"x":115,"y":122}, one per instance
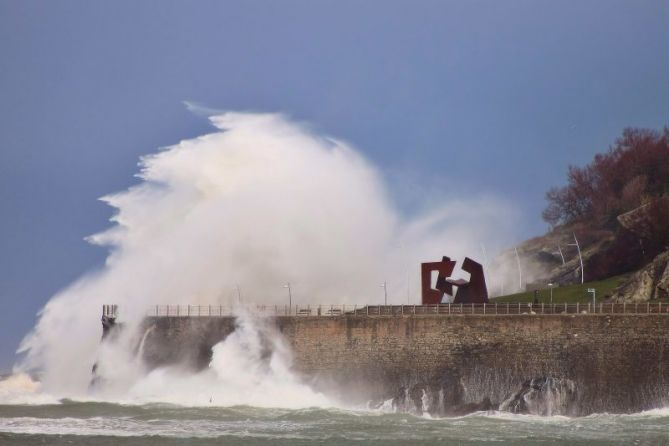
{"x":650,"y":282}
{"x":554,"y":258}
{"x":448,"y":365}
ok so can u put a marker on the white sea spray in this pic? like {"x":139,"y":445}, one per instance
{"x":260,"y":202}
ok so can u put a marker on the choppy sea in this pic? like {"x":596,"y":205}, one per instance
{"x":90,"y":423}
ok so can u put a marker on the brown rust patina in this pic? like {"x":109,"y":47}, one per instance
{"x":472,"y":291}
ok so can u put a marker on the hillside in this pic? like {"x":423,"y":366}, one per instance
{"x":617,"y":209}
{"x":570,"y":294}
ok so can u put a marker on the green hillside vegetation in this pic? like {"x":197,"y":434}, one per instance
{"x":569,"y":293}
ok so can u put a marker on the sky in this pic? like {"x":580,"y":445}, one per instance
{"x":446,"y":98}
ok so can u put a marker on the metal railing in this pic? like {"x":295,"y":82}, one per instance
{"x":491,"y":309}
{"x":110,"y":311}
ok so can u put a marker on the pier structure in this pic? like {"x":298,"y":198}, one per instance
{"x":447,"y":359}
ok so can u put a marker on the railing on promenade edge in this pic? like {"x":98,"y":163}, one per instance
{"x":492,"y":309}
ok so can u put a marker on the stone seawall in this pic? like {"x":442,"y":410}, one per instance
{"x":572,"y":365}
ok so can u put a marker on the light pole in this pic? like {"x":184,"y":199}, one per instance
{"x":486,"y":270}
{"x":408,"y":287}
{"x":550,"y":286}
{"x":580,"y":258}
{"x":290,"y":295}
{"x":561,"y":255}
{"x":385,"y":293}
{"x":520,"y":271}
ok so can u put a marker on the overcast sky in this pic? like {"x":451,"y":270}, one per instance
{"x":494,"y":97}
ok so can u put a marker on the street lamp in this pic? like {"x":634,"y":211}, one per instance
{"x":290,"y":295}
{"x":520,"y":271}
{"x":486,"y":267}
{"x":385,"y":293}
{"x":580,"y":258}
{"x":593,"y":292}
{"x":561,"y":255}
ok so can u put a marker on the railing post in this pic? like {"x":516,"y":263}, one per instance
{"x":577,"y":308}
{"x":648,"y":307}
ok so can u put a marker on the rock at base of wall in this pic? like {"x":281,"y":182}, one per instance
{"x":422,"y":399}
{"x":545,"y":396}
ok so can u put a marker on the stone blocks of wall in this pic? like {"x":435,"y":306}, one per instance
{"x":618,"y":362}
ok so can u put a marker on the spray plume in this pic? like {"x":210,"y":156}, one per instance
{"x":258,"y":203}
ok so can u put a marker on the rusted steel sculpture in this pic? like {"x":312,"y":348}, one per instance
{"x":433,"y":296}
{"x":473,"y":291}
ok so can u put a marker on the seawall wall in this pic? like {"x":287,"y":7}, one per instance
{"x":445,"y":364}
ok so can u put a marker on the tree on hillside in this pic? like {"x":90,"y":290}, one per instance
{"x":634,"y":172}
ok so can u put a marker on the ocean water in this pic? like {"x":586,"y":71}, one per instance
{"x":91,"y":423}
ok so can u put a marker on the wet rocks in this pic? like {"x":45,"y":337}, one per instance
{"x":544,"y":396}
{"x":422,"y":399}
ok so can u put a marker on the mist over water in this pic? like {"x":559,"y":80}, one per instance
{"x":257,"y":203}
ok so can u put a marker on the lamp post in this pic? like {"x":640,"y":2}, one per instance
{"x":593,"y":292}
{"x":486,"y":269}
{"x":408,"y":287}
{"x":561,"y":255}
{"x":290,"y":295}
{"x":520,"y":271}
{"x":550,"y":286}
{"x":580,"y":258}
{"x":385,"y":293}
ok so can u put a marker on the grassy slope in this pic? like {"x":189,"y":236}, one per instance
{"x":569,"y":293}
